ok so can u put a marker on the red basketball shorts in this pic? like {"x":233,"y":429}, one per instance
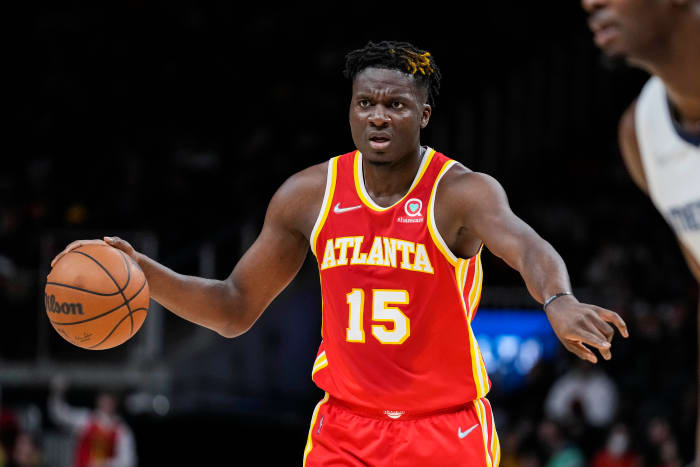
{"x":342,"y":436}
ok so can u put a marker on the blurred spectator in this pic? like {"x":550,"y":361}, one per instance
{"x":586,"y":388}
{"x":9,"y":430}
{"x":26,"y":452}
{"x":104,"y":440}
{"x":561,"y":451}
{"x":662,"y":446}
{"x":616,"y":452}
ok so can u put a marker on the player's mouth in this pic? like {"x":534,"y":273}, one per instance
{"x":604,"y":30}
{"x":379,"y":142}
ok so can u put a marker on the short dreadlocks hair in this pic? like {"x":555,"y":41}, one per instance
{"x":400,"y":56}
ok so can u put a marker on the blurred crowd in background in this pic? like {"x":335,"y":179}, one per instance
{"x":182,"y":121}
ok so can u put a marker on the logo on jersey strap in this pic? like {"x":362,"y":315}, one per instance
{"x":338,"y":210}
{"x":463,"y":434}
{"x":413,"y":207}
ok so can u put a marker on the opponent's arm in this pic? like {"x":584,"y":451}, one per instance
{"x":486,"y":215}
{"x":627,"y":137}
{"x":629,"y":147}
{"x":231,"y":306}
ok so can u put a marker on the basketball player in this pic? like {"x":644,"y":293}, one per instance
{"x":660,"y":132}
{"x":397,"y":229}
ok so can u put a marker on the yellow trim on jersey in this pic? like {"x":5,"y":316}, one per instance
{"x":481,"y":414}
{"x":309,"y":444}
{"x":319,"y":364}
{"x":432,"y":227}
{"x":331,"y":179}
{"x":360,"y":186}
{"x":495,"y":443}
{"x":475,"y":291}
{"x":478,"y":371}
{"x":478,"y":368}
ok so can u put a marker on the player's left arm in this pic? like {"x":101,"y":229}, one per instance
{"x":486,"y":214}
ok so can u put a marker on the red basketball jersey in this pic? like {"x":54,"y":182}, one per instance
{"x":397,"y":303}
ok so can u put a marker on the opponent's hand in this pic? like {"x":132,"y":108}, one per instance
{"x":576,"y":324}
{"x":116,"y":242}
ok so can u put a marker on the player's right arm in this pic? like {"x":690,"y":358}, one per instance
{"x":231,"y":306}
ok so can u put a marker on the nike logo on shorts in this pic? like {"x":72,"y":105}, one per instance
{"x":338,"y":210}
{"x":463,"y":434}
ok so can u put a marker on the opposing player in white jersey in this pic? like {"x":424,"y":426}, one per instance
{"x":660,"y":132}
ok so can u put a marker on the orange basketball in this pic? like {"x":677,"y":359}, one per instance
{"x":96,"y":297}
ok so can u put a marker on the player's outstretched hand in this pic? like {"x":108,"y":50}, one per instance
{"x":116,"y":242}
{"x":576,"y":324}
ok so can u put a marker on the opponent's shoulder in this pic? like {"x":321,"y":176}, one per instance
{"x":629,"y":146}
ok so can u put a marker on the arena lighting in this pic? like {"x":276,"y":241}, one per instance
{"x":512,"y":342}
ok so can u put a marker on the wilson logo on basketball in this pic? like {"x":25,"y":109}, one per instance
{"x":66,"y":308}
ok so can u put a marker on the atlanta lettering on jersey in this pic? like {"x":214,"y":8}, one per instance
{"x":382,"y":252}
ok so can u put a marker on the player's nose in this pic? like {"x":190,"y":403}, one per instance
{"x":379,"y":117}
{"x":591,"y":5}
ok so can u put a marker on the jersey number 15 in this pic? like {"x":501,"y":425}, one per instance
{"x":381,"y":311}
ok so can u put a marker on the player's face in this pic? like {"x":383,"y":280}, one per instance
{"x":387,"y":112}
{"x":627,"y":28}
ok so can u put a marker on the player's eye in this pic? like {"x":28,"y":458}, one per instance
{"x":363,"y":103}
{"x":397,"y":105}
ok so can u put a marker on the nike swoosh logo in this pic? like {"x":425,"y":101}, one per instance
{"x":463,"y":434}
{"x":338,"y":210}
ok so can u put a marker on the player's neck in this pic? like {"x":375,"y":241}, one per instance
{"x":386,"y":183}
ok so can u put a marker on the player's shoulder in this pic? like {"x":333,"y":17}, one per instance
{"x":466,"y":184}
{"x":309,"y":182}
{"x":298,"y":200}
{"x":627,"y":128}
{"x":629,"y":145}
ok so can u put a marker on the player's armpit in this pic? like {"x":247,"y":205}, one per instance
{"x":483,"y":210}
{"x":629,"y":147}
{"x":279,"y":251}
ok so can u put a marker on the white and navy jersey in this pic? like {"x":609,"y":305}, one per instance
{"x":671,"y":161}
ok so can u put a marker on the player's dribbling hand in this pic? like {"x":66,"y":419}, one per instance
{"x":115,"y":242}
{"x":576,"y":324}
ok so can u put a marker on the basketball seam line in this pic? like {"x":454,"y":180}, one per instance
{"x":115,"y":328}
{"x":128,"y":269}
{"x":59,"y":284}
{"x":121,"y":290}
{"x":105,"y":313}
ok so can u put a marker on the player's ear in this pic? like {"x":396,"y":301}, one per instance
{"x":425,"y":116}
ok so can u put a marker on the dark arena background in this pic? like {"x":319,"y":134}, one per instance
{"x":171,"y":125}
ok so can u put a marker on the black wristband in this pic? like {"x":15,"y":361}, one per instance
{"x":554,"y":297}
